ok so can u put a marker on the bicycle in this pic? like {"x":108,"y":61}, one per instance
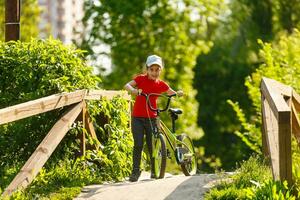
{"x":166,"y":143}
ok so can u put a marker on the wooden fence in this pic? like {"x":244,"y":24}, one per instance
{"x":280,"y":107}
{"x":77,"y":110}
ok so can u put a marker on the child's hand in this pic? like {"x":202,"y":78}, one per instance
{"x":180,"y":93}
{"x":137,"y":91}
{"x":140,"y":91}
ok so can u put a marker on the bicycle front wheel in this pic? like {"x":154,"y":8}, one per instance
{"x":189,"y":162}
{"x":159,"y":156}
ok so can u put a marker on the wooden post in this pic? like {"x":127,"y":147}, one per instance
{"x":12,"y":20}
{"x":277,"y":120}
{"x":265,"y":145}
{"x":284,"y":139}
{"x":82,"y":137}
{"x":91,"y":130}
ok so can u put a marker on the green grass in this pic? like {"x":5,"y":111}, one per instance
{"x":252,"y":180}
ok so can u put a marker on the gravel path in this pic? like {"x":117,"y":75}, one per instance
{"x":170,"y":188}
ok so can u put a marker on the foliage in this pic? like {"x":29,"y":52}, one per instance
{"x":41,"y":68}
{"x":31,"y":70}
{"x":253,"y":169}
{"x":175,"y":30}
{"x":230,"y":193}
{"x":29,"y":19}
{"x":114,"y":158}
{"x":272,"y":190}
{"x":250,"y":136}
{"x":280,"y":62}
{"x":233,"y":57}
{"x":252,"y":180}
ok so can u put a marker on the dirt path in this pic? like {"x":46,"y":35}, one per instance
{"x":170,"y":188}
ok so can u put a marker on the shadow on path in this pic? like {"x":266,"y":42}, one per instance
{"x":170,"y":188}
{"x":193,"y":188}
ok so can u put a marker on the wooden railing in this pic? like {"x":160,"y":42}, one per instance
{"x":280,"y":105}
{"x":77,"y":111}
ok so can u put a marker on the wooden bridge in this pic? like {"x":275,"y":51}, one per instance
{"x":280,"y":108}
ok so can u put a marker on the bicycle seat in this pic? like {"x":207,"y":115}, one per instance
{"x":175,"y":111}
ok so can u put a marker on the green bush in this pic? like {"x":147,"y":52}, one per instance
{"x":254,"y":169}
{"x":280,"y":61}
{"x":251,"y":171}
{"x":272,"y":190}
{"x":30,"y":70}
{"x":252,"y":180}
{"x":231,"y":193}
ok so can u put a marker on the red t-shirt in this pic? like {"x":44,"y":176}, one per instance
{"x":148,"y":86}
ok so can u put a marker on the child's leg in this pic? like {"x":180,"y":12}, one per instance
{"x":149,"y":131}
{"x":138,"y":136}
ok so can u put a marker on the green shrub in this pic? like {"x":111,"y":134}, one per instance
{"x":30,"y":70}
{"x":253,"y":180}
{"x":254,"y":169}
{"x":231,"y":193}
{"x":43,"y":67}
{"x":251,"y":171}
{"x":115,"y":157}
{"x":272,"y":190}
{"x":280,"y":61}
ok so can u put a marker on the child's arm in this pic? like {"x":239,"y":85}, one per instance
{"x":171,"y":91}
{"x":130,"y":87}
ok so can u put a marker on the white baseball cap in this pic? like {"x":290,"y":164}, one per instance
{"x":154,"y":59}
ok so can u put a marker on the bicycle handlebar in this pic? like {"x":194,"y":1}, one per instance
{"x":156,"y":94}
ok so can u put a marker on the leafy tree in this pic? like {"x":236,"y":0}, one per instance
{"x":176,"y":30}
{"x":29,"y":19}
{"x":221,"y":73}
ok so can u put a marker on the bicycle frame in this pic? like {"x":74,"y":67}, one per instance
{"x":170,"y":136}
{"x":173,"y":142}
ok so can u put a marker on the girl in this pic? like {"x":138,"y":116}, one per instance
{"x":142,"y":116}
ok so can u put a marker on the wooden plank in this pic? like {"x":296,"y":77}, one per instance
{"x":285,"y":149}
{"x":296,"y":100}
{"x":90,"y":129}
{"x":41,"y":105}
{"x":265,"y":144}
{"x":280,"y":87}
{"x":44,"y":151}
{"x":277,"y":118}
{"x":271,"y":126}
{"x":89,"y":125}
{"x":295,"y":124}
{"x":275,"y":99}
{"x":82,"y":136}
{"x":52,"y":102}
{"x":108,"y":94}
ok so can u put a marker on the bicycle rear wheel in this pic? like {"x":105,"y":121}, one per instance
{"x":188,"y":159}
{"x":159,"y":156}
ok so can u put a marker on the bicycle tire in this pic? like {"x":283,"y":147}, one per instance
{"x":159,"y":156}
{"x":189,"y":163}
